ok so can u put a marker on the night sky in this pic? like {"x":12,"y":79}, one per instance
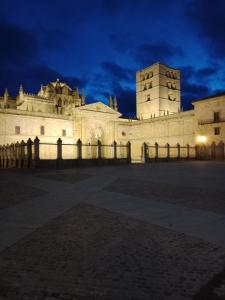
{"x":100,"y":44}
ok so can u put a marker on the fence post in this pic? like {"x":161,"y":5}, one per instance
{"x":167,"y":151}
{"x":36,"y":150}
{"x":129,"y":151}
{"x":22,"y":145}
{"x":12,"y":156}
{"x":156,"y":151}
{"x":79,"y":149}
{"x":59,"y":149}
{"x":222,"y":148}
{"x":188,"y":151}
{"x":6,"y":157}
{"x":29,"y":152}
{"x":0,"y":156}
{"x":3,"y":156}
{"x":213,"y":150}
{"x":145,"y":149}
{"x":99,"y":145}
{"x":9,"y":156}
{"x":178,"y":151}
{"x":17,"y":150}
{"x":220,"y":155}
{"x":115,"y":149}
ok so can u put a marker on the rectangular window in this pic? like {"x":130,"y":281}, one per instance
{"x":216,"y":117}
{"x":217,"y":130}
{"x":42,"y":130}
{"x":64,"y":132}
{"x":148,"y":97}
{"x":17,"y":129}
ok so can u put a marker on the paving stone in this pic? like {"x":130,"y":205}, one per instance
{"x":188,"y":196}
{"x":65,"y":177}
{"x":13,"y":193}
{"x":92,"y":253}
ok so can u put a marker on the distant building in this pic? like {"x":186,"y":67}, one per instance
{"x":58,"y":111}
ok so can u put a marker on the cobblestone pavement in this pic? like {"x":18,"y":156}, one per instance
{"x":62,"y":177}
{"x":138,"y":232}
{"x":13,"y":193}
{"x":92,"y":253}
{"x":194,"y":197}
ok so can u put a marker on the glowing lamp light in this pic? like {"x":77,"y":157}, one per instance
{"x":201,"y":139}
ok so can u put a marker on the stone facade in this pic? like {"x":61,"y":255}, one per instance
{"x":57,"y":111}
{"x":157,"y":91}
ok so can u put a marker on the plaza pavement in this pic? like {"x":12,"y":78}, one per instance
{"x":169,"y":206}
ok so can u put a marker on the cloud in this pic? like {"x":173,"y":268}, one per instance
{"x":18,"y":46}
{"x":32,"y":77}
{"x":20,"y":61}
{"x":122,"y":41}
{"x":126,"y":98}
{"x":191,"y":91}
{"x":194,"y":84}
{"x":206,"y":72}
{"x":147,"y":53}
{"x":208,"y":15}
{"x":116,"y":71}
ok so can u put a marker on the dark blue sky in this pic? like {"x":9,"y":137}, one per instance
{"x":100,"y":44}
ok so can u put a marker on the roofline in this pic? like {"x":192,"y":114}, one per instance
{"x":158,"y":63}
{"x":209,"y":98}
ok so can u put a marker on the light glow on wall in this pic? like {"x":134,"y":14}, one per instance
{"x":201,"y":139}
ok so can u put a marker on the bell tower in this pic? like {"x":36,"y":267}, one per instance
{"x":157,"y":91}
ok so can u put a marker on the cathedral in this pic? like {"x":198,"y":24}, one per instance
{"x":58,"y":111}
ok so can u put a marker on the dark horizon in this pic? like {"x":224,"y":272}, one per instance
{"x":99,"y":46}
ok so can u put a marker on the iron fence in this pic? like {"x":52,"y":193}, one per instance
{"x":33,"y":153}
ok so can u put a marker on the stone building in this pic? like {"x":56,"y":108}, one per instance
{"x":58,"y":111}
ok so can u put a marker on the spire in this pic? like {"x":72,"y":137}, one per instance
{"x":6,"y":95}
{"x":110,"y":102}
{"x":82,"y":98}
{"x":76,"y":92}
{"x":115,"y":106}
{"x":21,"y":89}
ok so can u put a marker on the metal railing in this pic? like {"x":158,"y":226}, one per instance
{"x":28,"y":154}
{"x":167,"y":152}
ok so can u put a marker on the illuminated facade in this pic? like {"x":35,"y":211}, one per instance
{"x":58,"y":111}
{"x":157,"y":91}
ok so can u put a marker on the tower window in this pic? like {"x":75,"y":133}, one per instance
{"x":150,"y":85}
{"x":17,"y":129}
{"x":216,"y":117}
{"x":145,"y":87}
{"x":217,"y":130}
{"x":42,"y":130}
{"x":64,"y":132}
{"x":148,"y":97}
